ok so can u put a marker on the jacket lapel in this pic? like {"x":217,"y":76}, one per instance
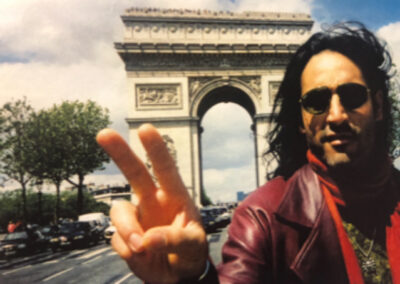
{"x":319,"y":259}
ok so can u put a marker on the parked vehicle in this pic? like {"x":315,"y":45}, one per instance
{"x":208,"y":219}
{"x":99,"y":219}
{"x":22,"y":242}
{"x":108,"y":233}
{"x":75,"y":235}
{"x":224,"y":216}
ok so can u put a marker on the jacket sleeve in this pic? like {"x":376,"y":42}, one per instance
{"x":246,"y":254}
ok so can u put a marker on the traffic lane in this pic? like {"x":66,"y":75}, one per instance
{"x":110,"y":268}
{"x":51,"y":265}
{"x":99,"y":264}
{"x":106,"y":267}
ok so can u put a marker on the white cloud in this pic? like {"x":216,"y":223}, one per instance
{"x":222,"y":185}
{"x":227,"y":138}
{"x":52,"y":51}
{"x":300,"y":6}
{"x":391,"y":34}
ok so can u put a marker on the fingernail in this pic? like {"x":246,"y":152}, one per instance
{"x":135,"y":242}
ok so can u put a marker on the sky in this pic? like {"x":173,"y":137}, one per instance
{"x":56,"y":50}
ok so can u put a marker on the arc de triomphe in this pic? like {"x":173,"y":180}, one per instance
{"x":180,"y":63}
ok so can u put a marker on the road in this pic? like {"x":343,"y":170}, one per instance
{"x":97,"y":264}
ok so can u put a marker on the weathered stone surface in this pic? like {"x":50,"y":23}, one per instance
{"x":180,"y":63}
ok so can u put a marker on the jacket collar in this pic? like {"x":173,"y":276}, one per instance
{"x":303,"y":198}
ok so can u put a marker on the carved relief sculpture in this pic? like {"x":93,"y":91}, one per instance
{"x":156,"y":96}
{"x":273,"y":88}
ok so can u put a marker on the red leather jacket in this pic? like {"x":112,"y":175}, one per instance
{"x":282,"y":233}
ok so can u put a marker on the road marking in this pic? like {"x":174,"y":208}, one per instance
{"x":77,"y":252}
{"x":85,"y":256}
{"x":124,"y":278}
{"x":112,"y":253}
{"x":57,"y":274}
{"x":90,"y":260}
{"x":17,"y":269}
{"x":51,"y":261}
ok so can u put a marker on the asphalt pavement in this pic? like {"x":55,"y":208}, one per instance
{"x":97,"y":264}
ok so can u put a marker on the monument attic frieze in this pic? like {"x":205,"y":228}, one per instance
{"x":169,"y":27}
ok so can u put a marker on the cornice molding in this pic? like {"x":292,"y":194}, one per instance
{"x":198,"y":16}
{"x":204,"y":48}
{"x":163,"y":119}
{"x":181,"y":62}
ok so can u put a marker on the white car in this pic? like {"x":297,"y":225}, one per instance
{"x":108,"y":233}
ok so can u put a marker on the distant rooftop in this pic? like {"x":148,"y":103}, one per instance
{"x":217,"y":15}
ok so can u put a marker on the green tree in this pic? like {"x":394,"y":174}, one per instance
{"x":46,"y":150}
{"x":13,"y":155}
{"x":85,"y":155}
{"x":205,"y":199}
{"x":63,"y":145}
{"x":10,"y":208}
{"x":69,"y":200}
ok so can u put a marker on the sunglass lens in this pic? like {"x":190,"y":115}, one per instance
{"x":352,"y":95}
{"x":317,"y":101}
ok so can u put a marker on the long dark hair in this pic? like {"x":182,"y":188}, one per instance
{"x":287,"y":145}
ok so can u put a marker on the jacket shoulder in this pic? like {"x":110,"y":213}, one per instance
{"x":268,"y":196}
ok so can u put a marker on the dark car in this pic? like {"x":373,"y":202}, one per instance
{"x":22,"y":242}
{"x":75,"y":235}
{"x":50,"y":231}
{"x":208,"y":219}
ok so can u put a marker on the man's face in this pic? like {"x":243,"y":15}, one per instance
{"x":341,"y":135}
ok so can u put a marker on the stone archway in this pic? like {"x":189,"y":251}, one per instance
{"x":179,"y":63}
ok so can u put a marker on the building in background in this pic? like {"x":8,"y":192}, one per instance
{"x":109,"y":194}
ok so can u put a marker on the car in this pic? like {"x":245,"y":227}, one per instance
{"x":22,"y":242}
{"x":75,"y":235}
{"x":50,"y":231}
{"x":99,"y":219}
{"x":209,"y":219}
{"x":108,"y":233}
{"x":224,"y":216}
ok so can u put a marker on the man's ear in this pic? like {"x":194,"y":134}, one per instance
{"x":378,"y":105}
{"x":302,"y":130}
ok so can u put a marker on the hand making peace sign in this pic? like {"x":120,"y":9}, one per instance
{"x":161,"y":238}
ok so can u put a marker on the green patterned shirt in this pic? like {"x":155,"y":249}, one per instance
{"x":371,"y":256}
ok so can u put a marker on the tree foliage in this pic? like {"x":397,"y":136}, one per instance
{"x":85,"y":155}
{"x":62,"y":144}
{"x":14,"y":117}
{"x":10,"y":209}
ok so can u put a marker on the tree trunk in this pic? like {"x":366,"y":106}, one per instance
{"x":80,"y":200}
{"x":24,"y":210}
{"x":40,"y":217}
{"x":58,"y":201}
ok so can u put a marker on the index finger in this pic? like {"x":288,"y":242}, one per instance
{"x":163,"y":164}
{"x":130,"y":165}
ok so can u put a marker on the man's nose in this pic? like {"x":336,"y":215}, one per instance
{"x":336,"y":112}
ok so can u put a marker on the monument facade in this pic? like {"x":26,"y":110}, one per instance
{"x":180,"y":63}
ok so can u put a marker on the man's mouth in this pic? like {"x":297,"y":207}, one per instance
{"x":338,"y":140}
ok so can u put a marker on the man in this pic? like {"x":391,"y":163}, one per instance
{"x":329,"y":215}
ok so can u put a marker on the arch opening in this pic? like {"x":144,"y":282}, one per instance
{"x":227,"y":144}
{"x":225,"y":94}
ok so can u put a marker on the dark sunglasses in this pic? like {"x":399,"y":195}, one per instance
{"x":317,"y":101}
